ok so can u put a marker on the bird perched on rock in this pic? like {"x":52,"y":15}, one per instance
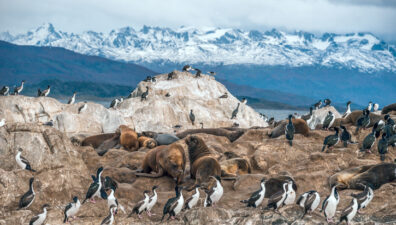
{"x":46,"y":92}
{"x":39,"y":93}
{"x":369,"y":106}
{"x":348,"y":110}
{"x":202,"y":125}
{"x":309,"y":116}
{"x":244,"y":101}
{"x":291,"y":194}
{"x":192,"y":117}
{"x":225,"y":95}
{"x":27,"y":198}
{"x":382,"y":147}
{"x":152,"y":200}
{"x":198,"y":74}
{"x":193,"y":200}
{"x":375,"y":107}
{"x":112,"y":201}
{"x":174,"y":205}
{"x":109,"y":183}
{"x":289,"y":131}
{"x":257,"y":197}
{"x":83,"y":107}
{"x":318,"y":104}
{"x":235,"y":112}
{"x":5,"y":91}
{"x":109,"y":220}
{"x":277,"y":200}
{"x":72,"y":209}
{"x":215,"y":193}
{"x":363,"y":121}
{"x":350,"y":212}
{"x":114,"y":103}
{"x":40,"y":218}
{"x":171,"y":75}
{"x":346,"y":137}
{"x":22,"y":162}
{"x":327,"y":102}
{"x":141,"y":205}
{"x":330,"y":204}
{"x":369,"y":140}
{"x":95,"y":189}
{"x":331,"y":140}
{"x":18,"y":90}
{"x":309,"y":201}
{"x":144,"y":94}
{"x":153,"y":79}
{"x":329,"y":120}
{"x":72,"y":99}
{"x":148,"y":79}
{"x":186,"y":68}
{"x":364,"y":198}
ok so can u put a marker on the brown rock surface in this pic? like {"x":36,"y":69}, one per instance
{"x":64,"y":171}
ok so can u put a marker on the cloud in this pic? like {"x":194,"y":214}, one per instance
{"x":376,"y":16}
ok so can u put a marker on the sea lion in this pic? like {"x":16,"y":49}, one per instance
{"x":147,"y":142}
{"x":96,"y":140}
{"x":231,"y":135}
{"x":128,"y":138}
{"x":300,"y":126}
{"x":108,"y":144}
{"x":371,"y":175}
{"x":235,"y":166}
{"x":165,"y":159}
{"x":355,"y":115}
{"x":160,"y":138}
{"x":203,"y":164}
{"x":275,"y":184}
{"x":389,"y":108}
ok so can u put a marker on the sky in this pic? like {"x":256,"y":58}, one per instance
{"x":316,"y":16}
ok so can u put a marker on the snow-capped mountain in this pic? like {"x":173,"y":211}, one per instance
{"x":362,"y":51}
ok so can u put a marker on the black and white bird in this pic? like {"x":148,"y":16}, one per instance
{"x":22,"y":162}
{"x":363,"y":120}
{"x":152,"y":201}
{"x":144,"y":94}
{"x":83,"y":107}
{"x":192,"y":117}
{"x":193,"y":200}
{"x":308,"y":116}
{"x":5,"y":91}
{"x":309,"y":201}
{"x":257,"y":197}
{"x":202,"y":125}
{"x":109,"y":183}
{"x":382,"y":147}
{"x":235,"y":112}
{"x":215,"y":193}
{"x":329,"y":120}
{"x":225,"y":95}
{"x":27,"y":198}
{"x":171,"y":75}
{"x":291,"y":194}
{"x":331,"y":140}
{"x":95,"y":189}
{"x":389,"y":126}
{"x":198,"y":73}
{"x":174,"y":205}
{"x":72,"y":209}
{"x":2,"y":122}
{"x":375,"y":107}
{"x":148,"y":79}
{"x":348,"y":110}
{"x":112,"y":201}
{"x":40,"y":218}
{"x":46,"y":92}
{"x":327,"y":102}
{"x":365,"y":197}
{"x":369,"y":140}
{"x":18,"y":90}
{"x":369,"y":106}
{"x":212,"y":73}
{"x":289,"y":131}
{"x":72,"y":99}
{"x":153,"y":79}
{"x":349,"y":212}
{"x":114,"y":103}
{"x":380,"y":125}
{"x":109,"y":220}
{"x":330,"y":204}
{"x":141,"y":205}
{"x":277,"y":200}
{"x":346,"y":137}
{"x":186,"y":68}
{"x":318,"y":104}
{"x":244,"y":101}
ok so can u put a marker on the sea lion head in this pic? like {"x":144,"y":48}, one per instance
{"x":192,"y":141}
{"x":151,"y":143}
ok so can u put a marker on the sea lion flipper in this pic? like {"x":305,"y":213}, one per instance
{"x":152,"y":175}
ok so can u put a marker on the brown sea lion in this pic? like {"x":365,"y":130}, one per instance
{"x":231,"y":135}
{"x":164,"y":159}
{"x":355,"y":115}
{"x":300,"y":126}
{"x":113,"y":142}
{"x":203,"y":164}
{"x":96,"y":140}
{"x":389,"y":108}
{"x":372,"y":175}
{"x":235,"y":166}
{"x":128,"y":138}
{"x":147,"y":142}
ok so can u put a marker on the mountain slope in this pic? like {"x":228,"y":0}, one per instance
{"x":35,"y":64}
{"x":362,"y":51}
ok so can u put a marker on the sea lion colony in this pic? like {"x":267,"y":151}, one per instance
{"x":209,"y":174}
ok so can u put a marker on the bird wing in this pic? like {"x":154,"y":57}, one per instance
{"x":106,"y":220}
{"x":275,"y":197}
{"x":92,"y":189}
{"x":301,"y":198}
{"x":24,"y":160}
{"x":347,"y":210}
{"x":26,"y":199}
{"x":327,"y":120}
{"x":309,"y":201}
{"x":325,"y":202}
{"x":254,"y":197}
{"x":68,"y":207}
{"x":137,"y":206}
{"x":170,"y":205}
